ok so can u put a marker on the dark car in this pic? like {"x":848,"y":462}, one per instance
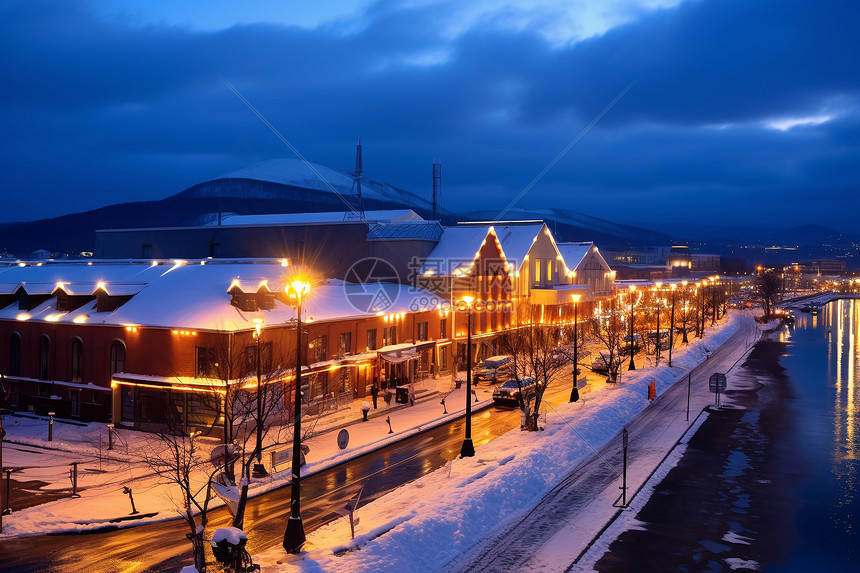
{"x":509,"y":392}
{"x":494,"y":369}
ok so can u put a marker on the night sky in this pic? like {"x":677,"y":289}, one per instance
{"x":739,"y":110}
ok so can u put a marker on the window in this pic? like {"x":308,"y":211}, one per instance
{"x":371,"y":339}
{"x":207,"y":360}
{"x":423,"y":330}
{"x":549,"y":271}
{"x":265,"y":358}
{"x":318,"y":349}
{"x":77,"y":360}
{"x":345,"y":343}
{"x":117,"y":357}
{"x":392,"y":335}
{"x":537,"y":272}
{"x":44,"y":356}
{"x":443,"y":328}
{"x":15,"y":354}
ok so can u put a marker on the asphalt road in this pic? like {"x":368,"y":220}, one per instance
{"x":163,"y":547}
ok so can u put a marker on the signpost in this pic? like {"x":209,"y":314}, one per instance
{"x":717,"y":385}
{"x":342,"y":439}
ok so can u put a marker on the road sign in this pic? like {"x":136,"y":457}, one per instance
{"x":342,"y":439}
{"x":717,"y":382}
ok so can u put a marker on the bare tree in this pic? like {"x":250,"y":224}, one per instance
{"x":175,"y":457}
{"x":608,"y":330}
{"x":534,"y":348}
{"x":768,"y":290}
{"x":685,"y":316}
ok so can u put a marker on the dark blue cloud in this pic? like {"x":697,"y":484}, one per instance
{"x":102,"y":111}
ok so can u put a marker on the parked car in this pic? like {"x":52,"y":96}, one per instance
{"x":509,"y":392}
{"x":494,"y":369}
{"x":601,"y":362}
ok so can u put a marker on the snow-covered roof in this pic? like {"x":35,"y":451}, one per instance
{"x":382,"y":216}
{"x":422,"y":230}
{"x":459,"y":245}
{"x":457,"y":249}
{"x":195,"y":296}
{"x":516,"y":240}
{"x":573,"y":253}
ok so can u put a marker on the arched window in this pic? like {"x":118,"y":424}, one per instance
{"x":117,"y":356}
{"x":44,"y":356}
{"x":15,"y":354}
{"x":77,"y":360}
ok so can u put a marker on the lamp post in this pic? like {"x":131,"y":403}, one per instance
{"x":657,"y":352}
{"x":294,"y":535}
{"x":574,"y":392}
{"x":632,"y":364}
{"x":686,"y":311}
{"x":468,"y":449}
{"x":259,"y":470}
{"x":672,"y":287}
{"x":714,"y":300}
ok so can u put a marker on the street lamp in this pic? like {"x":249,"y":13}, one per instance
{"x":574,"y":392}
{"x":686,"y":310}
{"x":632,"y":290}
{"x":659,"y":287}
{"x":294,"y":535}
{"x":672,"y":287}
{"x":259,"y":470}
{"x":714,"y":299}
{"x":468,"y":449}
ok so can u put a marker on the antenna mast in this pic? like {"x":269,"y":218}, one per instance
{"x":437,"y":189}
{"x":356,"y":203}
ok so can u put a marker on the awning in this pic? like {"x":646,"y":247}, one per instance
{"x":404,"y":352}
{"x":398,"y":356}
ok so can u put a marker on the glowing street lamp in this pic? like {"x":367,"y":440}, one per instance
{"x":659,"y":287}
{"x":294,"y":535}
{"x":685,"y":340}
{"x":672,"y":287}
{"x":574,"y":392}
{"x":632,"y":364}
{"x":259,"y":470}
{"x":468,"y":449}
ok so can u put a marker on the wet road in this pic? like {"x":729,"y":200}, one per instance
{"x":162,"y":546}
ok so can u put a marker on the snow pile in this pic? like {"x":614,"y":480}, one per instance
{"x":232,"y":535}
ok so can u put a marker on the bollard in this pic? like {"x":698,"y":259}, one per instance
{"x":110,"y":436}
{"x":50,"y":426}
{"x":388,"y":419}
{"x":73,"y":477}
{"x":8,"y":509}
{"x":624,"y":470}
{"x":127,"y":490}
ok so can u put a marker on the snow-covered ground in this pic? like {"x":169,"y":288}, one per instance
{"x":421,"y":526}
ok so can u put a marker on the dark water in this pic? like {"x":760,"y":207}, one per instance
{"x":822,"y":362}
{"x":769,"y":483}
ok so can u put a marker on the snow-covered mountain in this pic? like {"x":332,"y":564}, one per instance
{"x":295,"y":173}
